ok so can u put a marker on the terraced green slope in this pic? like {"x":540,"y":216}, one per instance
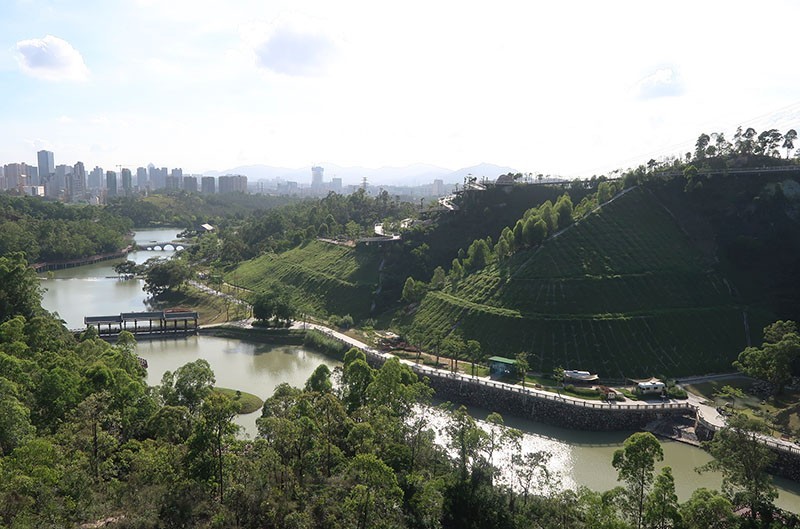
{"x":623,"y":293}
{"x":327,"y":278}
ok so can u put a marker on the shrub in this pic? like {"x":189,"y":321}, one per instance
{"x":346,"y":321}
{"x":325,"y":344}
{"x":677,"y":392}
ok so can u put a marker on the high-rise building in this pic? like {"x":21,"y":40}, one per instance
{"x":111,"y":184}
{"x":16,"y":175}
{"x":172,"y":183}
{"x":438,"y":188}
{"x":316,"y":176}
{"x":141,"y":178}
{"x":208,"y":185}
{"x":190,"y":184}
{"x":60,"y":181}
{"x":127,"y":182}
{"x":233,"y":184}
{"x":174,"y":179}
{"x":336,"y":184}
{"x":33,"y":174}
{"x":96,"y":178}
{"x":77,"y":182}
{"x":46,"y":167}
{"x":158,"y":176}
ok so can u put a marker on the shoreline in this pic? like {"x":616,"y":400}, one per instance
{"x":47,"y":266}
{"x":667,"y":423}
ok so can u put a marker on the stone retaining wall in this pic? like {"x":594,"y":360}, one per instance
{"x":526,"y":405}
{"x":787,"y":465}
{"x":567,"y":414}
{"x":550,"y":411}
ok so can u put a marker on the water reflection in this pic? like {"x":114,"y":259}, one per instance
{"x":584,"y":458}
{"x":256,"y":368}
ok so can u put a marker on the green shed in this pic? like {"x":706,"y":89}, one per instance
{"x":500,"y":366}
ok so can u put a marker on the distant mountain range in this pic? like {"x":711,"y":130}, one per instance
{"x":410,"y":175}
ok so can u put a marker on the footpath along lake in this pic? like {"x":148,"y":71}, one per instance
{"x":581,"y":458}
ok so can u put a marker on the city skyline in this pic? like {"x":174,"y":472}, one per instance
{"x":72,"y":183}
{"x":574,"y":88}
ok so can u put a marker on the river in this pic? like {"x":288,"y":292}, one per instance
{"x":580,"y":458}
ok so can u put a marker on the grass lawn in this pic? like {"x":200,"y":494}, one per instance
{"x":544,"y":381}
{"x":481,"y":371}
{"x":247,"y":401}
{"x":708,"y":389}
{"x":212,"y":309}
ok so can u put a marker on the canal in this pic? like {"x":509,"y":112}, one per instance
{"x":580,"y":458}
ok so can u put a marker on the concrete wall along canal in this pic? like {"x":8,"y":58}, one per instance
{"x":566,"y":412}
{"x":537,"y":405}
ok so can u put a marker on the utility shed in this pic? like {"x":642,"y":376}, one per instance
{"x":500,"y":366}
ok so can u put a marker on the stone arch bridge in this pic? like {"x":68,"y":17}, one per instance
{"x":164,"y":246}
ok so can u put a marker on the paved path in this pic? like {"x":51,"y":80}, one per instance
{"x":708,"y":413}
{"x":209,"y":290}
{"x":487,"y":380}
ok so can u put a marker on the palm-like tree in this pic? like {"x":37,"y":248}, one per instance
{"x":788,"y":141}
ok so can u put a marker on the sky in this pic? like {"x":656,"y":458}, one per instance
{"x":570,"y":88}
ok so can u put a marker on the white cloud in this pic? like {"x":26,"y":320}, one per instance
{"x":52,"y":59}
{"x":296,"y":47}
{"x":664,"y":82}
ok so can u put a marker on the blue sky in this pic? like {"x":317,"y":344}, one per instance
{"x":574,"y":88}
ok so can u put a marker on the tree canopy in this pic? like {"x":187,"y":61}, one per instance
{"x":774,"y":359}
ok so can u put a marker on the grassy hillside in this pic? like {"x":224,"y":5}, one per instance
{"x":481,"y":214}
{"x":326,"y":278}
{"x":624,"y":292}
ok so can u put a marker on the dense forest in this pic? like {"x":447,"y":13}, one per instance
{"x":188,"y":210}
{"x":83,"y":439}
{"x":51,"y":231}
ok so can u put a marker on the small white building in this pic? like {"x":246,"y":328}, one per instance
{"x":651,"y":387}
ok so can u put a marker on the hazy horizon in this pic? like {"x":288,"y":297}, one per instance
{"x":574,"y":88}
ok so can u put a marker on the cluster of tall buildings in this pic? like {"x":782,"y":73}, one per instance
{"x":72,"y":183}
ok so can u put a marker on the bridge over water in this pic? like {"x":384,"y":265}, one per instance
{"x":164,"y":246}
{"x":145,"y":324}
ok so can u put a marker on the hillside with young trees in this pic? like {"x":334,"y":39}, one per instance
{"x":676,"y":275}
{"x":321,"y":278}
{"x":623,"y":293}
{"x":340,"y":278}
